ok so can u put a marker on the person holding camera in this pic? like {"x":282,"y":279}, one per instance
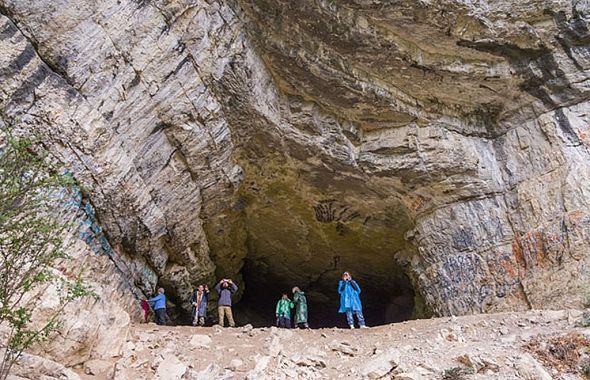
{"x":350,"y":302}
{"x":199,"y":301}
{"x":226,"y":288}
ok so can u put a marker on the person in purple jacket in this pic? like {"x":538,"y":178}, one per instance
{"x":226,"y":288}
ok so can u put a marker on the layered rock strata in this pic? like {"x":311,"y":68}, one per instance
{"x":441,"y":147}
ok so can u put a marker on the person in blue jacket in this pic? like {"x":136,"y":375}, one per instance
{"x":158,"y":303}
{"x":350,"y":302}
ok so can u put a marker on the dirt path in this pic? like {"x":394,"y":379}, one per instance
{"x":472,"y":347}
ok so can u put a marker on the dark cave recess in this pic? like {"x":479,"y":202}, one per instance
{"x":386,"y":299}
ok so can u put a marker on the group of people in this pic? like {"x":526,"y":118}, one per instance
{"x":284,"y":306}
{"x":350,"y":304}
{"x":199,"y":300}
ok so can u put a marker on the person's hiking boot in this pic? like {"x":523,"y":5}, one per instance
{"x":364,"y":327}
{"x":352,"y":327}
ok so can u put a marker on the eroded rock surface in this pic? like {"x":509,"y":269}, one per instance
{"x":437,"y":149}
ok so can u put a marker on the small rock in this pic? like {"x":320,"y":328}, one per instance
{"x":275,"y":347}
{"x":235,"y":364}
{"x":471,"y":362}
{"x":170,"y":368}
{"x":574,"y":315}
{"x":200,"y":341}
{"x":530,"y":369}
{"x":490,"y":366}
{"x":309,"y":361}
{"x":411,"y":376}
{"x":261,"y":364}
{"x":508,"y":339}
{"x":344,"y":348}
{"x":129,"y":346}
{"x":381,"y":364}
{"x":97,"y":367}
{"x":532,"y":320}
{"x":284,"y":333}
{"x":211,"y":372}
{"x":452,"y":337}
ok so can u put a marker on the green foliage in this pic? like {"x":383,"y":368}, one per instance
{"x":584,"y":320}
{"x":31,"y":230}
{"x":457,"y":373}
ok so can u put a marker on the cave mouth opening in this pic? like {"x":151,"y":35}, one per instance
{"x":387,"y":296}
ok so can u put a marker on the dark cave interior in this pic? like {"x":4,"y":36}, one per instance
{"x":385,"y":299}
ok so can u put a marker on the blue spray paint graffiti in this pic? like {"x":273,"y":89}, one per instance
{"x":91,"y":232}
{"x":80,"y":210}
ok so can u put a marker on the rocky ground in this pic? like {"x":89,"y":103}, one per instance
{"x":497,"y":346}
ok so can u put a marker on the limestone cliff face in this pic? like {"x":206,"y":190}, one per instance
{"x":441,"y":147}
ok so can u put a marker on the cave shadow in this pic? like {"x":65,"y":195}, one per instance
{"x":385,"y":300}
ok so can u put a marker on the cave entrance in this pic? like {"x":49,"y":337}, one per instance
{"x":387,"y":296}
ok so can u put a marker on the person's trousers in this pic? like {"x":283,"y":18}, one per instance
{"x":160,"y":316}
{"x":199,"y":320}
{"x":359,"y":316}
{"x":224,"y":311}
{"x":285,"y":322}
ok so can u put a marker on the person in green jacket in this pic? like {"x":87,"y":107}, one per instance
{"x":283,"y":311}
{"x":300,"y":308}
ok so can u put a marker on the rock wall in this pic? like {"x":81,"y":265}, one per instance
{"x":446,"y":142}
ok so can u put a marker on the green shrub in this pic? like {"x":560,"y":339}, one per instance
{"x":31,"y":244}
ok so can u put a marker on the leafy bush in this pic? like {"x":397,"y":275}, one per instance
{"x":584,"y":320}
{"x":31,"y":244}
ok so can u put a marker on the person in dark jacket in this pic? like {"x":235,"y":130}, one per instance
{"x":350,"y":302}
{"x":158,"y":303}
{"x":226,"y":288}
{"x":199,"y":301}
